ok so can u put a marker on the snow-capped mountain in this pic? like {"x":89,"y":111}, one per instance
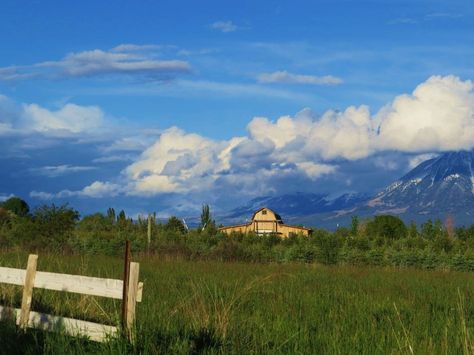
{"x":434,"y":189}
{"x":293,"y":206}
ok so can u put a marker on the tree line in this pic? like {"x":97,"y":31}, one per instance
{"x":383,"y":240}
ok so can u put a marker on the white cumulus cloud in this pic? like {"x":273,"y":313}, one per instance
{"x":437,"y":116}
{"x":97,"y":189}
{"x":70,"y":118}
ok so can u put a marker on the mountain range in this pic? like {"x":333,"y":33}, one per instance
{"x":436,"y":188}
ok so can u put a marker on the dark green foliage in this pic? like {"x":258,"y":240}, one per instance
{"x":382,"y":241}
{"x":412,"y":230}
{"x":329,"y":247}
{"x":54,"y":225}
{"x":387,"y":226}
{"x":428,"y":230}
{"x":354,"y":225}
{"x":17,"y":206}
{"x":111,"y":214}
{"x":174,"y":224}
{"x":206,"y":218}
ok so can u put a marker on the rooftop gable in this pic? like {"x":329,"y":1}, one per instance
{"x":272,"y":215}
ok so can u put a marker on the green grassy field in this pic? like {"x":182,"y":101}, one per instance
{"x":241,"y":308}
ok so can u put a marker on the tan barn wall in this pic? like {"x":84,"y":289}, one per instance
{"x":266,"y":223}
{"x":270,"y":225}
{"x":286,"y":230}
{"x":237,"y":229}
{"x":282,"y":229}
{"x":270,"y":216}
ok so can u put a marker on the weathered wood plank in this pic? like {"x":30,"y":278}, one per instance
{"x":12,"y":276}
{"x":94,"y":331}
{"x":87,"y":285}
{"x":28,"y":289}
{"x":131,"y":299}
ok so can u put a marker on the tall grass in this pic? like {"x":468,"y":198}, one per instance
{"x":216,"y":307}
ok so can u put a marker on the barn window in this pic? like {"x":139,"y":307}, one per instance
{"x":264,"y":212}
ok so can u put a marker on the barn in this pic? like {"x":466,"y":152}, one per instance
{"x":266,"y":221}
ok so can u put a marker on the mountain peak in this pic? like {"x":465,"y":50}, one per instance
{"x":435,"y":188}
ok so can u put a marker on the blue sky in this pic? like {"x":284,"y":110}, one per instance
{"x":163,"y":106}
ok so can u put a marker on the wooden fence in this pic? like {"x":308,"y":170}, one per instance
{"x":129,"y":292}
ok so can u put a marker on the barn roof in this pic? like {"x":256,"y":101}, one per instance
{"x":277,"y":216}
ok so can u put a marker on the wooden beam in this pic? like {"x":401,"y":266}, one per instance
{"x":87,"y":285}
{"x":125,"y":286}
{"x":94,"y":331}
{"x":28,"y":289}
{"x":131,"y":299}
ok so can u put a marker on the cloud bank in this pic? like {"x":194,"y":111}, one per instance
{"x":125,"y":59}
{"x":437,"y":116}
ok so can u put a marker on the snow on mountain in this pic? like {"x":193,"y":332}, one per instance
{"x":435,"y":188}
{"x":291,"y":206}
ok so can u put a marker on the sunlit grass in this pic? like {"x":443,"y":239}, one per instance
{"x":216,"y":307}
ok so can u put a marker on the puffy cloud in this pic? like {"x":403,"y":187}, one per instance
{"x":70,"y":118}
{"x":124,"y":59}
{"x":182,"y":162}
{"x":334,"y":135}
{"x":100,"y":189}
{"x":313,"y":170}
{"x":97,"y":189}
{"x":179,"y":162}
{"x":31,"y":118}
{"x":224,"y":26}
{"x":437,"y":116}
{"x":289,"y":78}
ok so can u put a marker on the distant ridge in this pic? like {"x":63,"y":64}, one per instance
{"x":436,"y":188}
{"x":293,"y":206}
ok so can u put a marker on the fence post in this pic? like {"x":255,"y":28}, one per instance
{"x":149,"y":232}
{"x":126,"y":276}
{"x":28,"y":290}
{"x":132,"y":299}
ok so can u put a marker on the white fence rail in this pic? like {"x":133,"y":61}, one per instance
{"x":93,"y":286}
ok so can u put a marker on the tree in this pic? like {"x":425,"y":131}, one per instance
{"x":438,"y":228}
{"x":55,"y":223}
{"x":427,"y":229}
{"x":16,"y":205}
{"x":206,"y":219}
{"x":387,"y":226}
{"x":412,"y":230}
{"x":121,"y":218}
{"x":111,"y":214}
{"x":96,"y":222}
{"x":354,"y":226}
{"x":175,"y":224}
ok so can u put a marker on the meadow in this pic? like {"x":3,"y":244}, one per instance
{"x":210,"y":306}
